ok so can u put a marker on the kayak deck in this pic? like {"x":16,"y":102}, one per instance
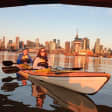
{"x":82,"y":82}
{"x":74,"y":74}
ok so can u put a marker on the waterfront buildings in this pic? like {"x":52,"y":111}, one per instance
{"x":79,"y":46}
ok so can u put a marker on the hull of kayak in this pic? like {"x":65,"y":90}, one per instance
{"x":65,"y":97}
{"x":82,"y":82}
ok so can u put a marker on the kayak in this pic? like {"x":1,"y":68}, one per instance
{"x":65,"y":97}
{"x":82,"y":82}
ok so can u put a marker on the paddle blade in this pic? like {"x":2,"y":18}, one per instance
{"x":78,"y":68}
{"x":8,"y":79}
{"x":10,"y":70}
{"x":7,"y":63}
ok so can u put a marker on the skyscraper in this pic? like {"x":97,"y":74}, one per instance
{"x":54,"y":40}
{"x":17,"y":43}
{"x":97,"y":46}
{"x":52,"y":45}
{"x":3,"y":43}
{"x":67,"y":47}
{"x":21,"y":44}
{"x":58,"y":44}
{"x":77,"y":44}
{"x":47,"y":45}
{"x":0,"y":43}
{"x":85,"y":43}
{"x":9,"y":44}
{"x":37,"y":43}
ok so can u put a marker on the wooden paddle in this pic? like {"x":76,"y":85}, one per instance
{"x":9,"y":63}
{"x":8,"y":79}
{"x":13,"y":69}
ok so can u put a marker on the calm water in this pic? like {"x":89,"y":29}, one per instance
{"x":15,"y":97}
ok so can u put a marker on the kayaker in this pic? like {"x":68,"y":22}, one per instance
{"x":41,"y":60}
{"x":23,"y":58}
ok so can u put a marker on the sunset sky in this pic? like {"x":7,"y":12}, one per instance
{"x":47,"y":22}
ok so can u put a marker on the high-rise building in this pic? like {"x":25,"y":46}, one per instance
{"x":101,"y":49}
{"x":3,"y":43}
{"x":54,"y":40}
{"x":30,"y":44}
{"x":85,"y":43}
{"x":37,"y":43}
{"x":52,"y":45}
{"x":77,"y":44}
{"x":58,"y":44}
{"x":0,"y":43}
{"x":17,"y":43}
{"x":67,"y":47}
{"x":47,"y":45}
{"x":21,"y":44}
{"x":97,"y":46}
{"x":9,"y":44}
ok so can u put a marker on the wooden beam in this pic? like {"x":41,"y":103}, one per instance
{"x":97,"y":3}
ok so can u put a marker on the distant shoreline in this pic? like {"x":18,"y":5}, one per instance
{"x":66,"y":54}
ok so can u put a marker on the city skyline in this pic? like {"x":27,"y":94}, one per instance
{"x":57,"y":21}
{"x":5,"y":42}
{"x":78,"y":46}
{"x":14,"y":40}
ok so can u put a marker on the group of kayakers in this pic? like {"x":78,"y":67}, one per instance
{"x":39,"y":62}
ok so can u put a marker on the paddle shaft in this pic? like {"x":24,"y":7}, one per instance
{"x":9,"y":63}
{"x":15,"y":69}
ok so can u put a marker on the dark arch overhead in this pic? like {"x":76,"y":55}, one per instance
{"x":14,"y":3}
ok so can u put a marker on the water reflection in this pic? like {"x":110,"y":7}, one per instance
{"x":92,"y":64}
{"x":6,"y":87}
{"x":97,"y":64}
{"x":64,"y":100}
{"x":64,"y":97}
{"x":39,"y":94}
{"x":61,"y":97}
{"x":8,"y":56}
{"x":69,"y":61}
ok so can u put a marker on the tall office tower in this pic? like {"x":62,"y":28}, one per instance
{"x":17,"y":43}
{"x":67,"y":47}
{"x":47,"y":45}
{"x":77,"y":44}
{"x":3,"y":43}
{"x":9,"y":44}
{"x":97,"y":46}
{"x":86,"y":43}
{"x":37,"y":43}
{"x":0,"y":44}
{"x":58,"y":44}
{"x":21,"y":44}
{"x":30,"y":44}
{"x":101,"y":49}
{"x":52,"y":45}
{"x":54,"y":40}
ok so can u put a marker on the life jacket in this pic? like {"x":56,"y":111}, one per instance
{"x":43,"y":62}
{"x":25,"y":58}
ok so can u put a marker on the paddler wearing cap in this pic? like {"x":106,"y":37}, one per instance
{"x":23,"y":58}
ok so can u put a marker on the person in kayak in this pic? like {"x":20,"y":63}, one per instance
{"x":41,"y":60}
{"x":23,"y":58}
